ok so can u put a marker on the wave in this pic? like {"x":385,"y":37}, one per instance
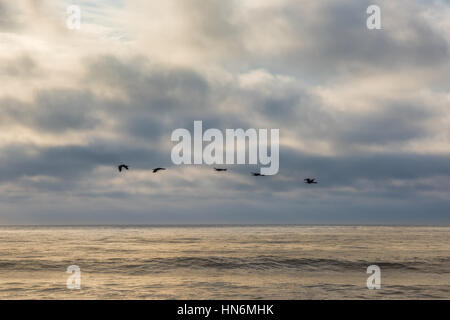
{"x":156,"y":265}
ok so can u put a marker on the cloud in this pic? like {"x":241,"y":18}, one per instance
{"x":363,"y":111}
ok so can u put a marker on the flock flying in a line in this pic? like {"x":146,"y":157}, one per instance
{"x":255,"y":174}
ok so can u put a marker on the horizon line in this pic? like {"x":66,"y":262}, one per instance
{"x":225,"y":225}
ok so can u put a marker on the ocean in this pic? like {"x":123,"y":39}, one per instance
{"x":224,"y":262}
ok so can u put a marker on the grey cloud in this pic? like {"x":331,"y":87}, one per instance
{"x":8,"y":16}
{"x":302,"y":112}
{"x":23,"y":67}
{"x":150,"y":86}
{"x":59,"y":110}
{"x":354,"y":185}
{"x":142,"y":120}
{"x":335,"y":41}
{"x":161,"y":99}
{"x":345,"y":38}
{"x":211,"y":23}
{"x":391,"y":123}
{"x":55,"y":110}
{"x":71,"y":163}
{"x":343,"y":170}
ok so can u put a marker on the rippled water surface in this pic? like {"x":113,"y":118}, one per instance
{"x":239,"y":262}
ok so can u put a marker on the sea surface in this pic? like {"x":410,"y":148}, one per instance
{"x":224,"y":262}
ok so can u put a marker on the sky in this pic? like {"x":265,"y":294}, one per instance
{"x":366,"y":112}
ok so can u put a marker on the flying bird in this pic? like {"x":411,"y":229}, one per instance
{"x":122,"y":166}
{"x":310,"y":181}
{"x":155,"y":170}
{"x":257,"y":174}
{"x":220,"y":169}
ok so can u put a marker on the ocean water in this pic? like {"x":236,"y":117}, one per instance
{"x":225,"y":262}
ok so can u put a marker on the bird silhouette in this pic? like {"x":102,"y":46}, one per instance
{"x":257,"y":174}
{"x":122,"y":166}
{"x":220,"y":169}
{"x":155,"y":170}
{"x":310,"y":180}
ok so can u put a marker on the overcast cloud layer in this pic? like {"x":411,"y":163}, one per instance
{"x":366,"y":112}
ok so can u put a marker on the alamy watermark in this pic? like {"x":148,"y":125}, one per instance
{"x":374,"y":20}
{"x":231,"y":151}
{"x":73,"y":21}
{"x":74,"y":280}
{"x":374,"y":281}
